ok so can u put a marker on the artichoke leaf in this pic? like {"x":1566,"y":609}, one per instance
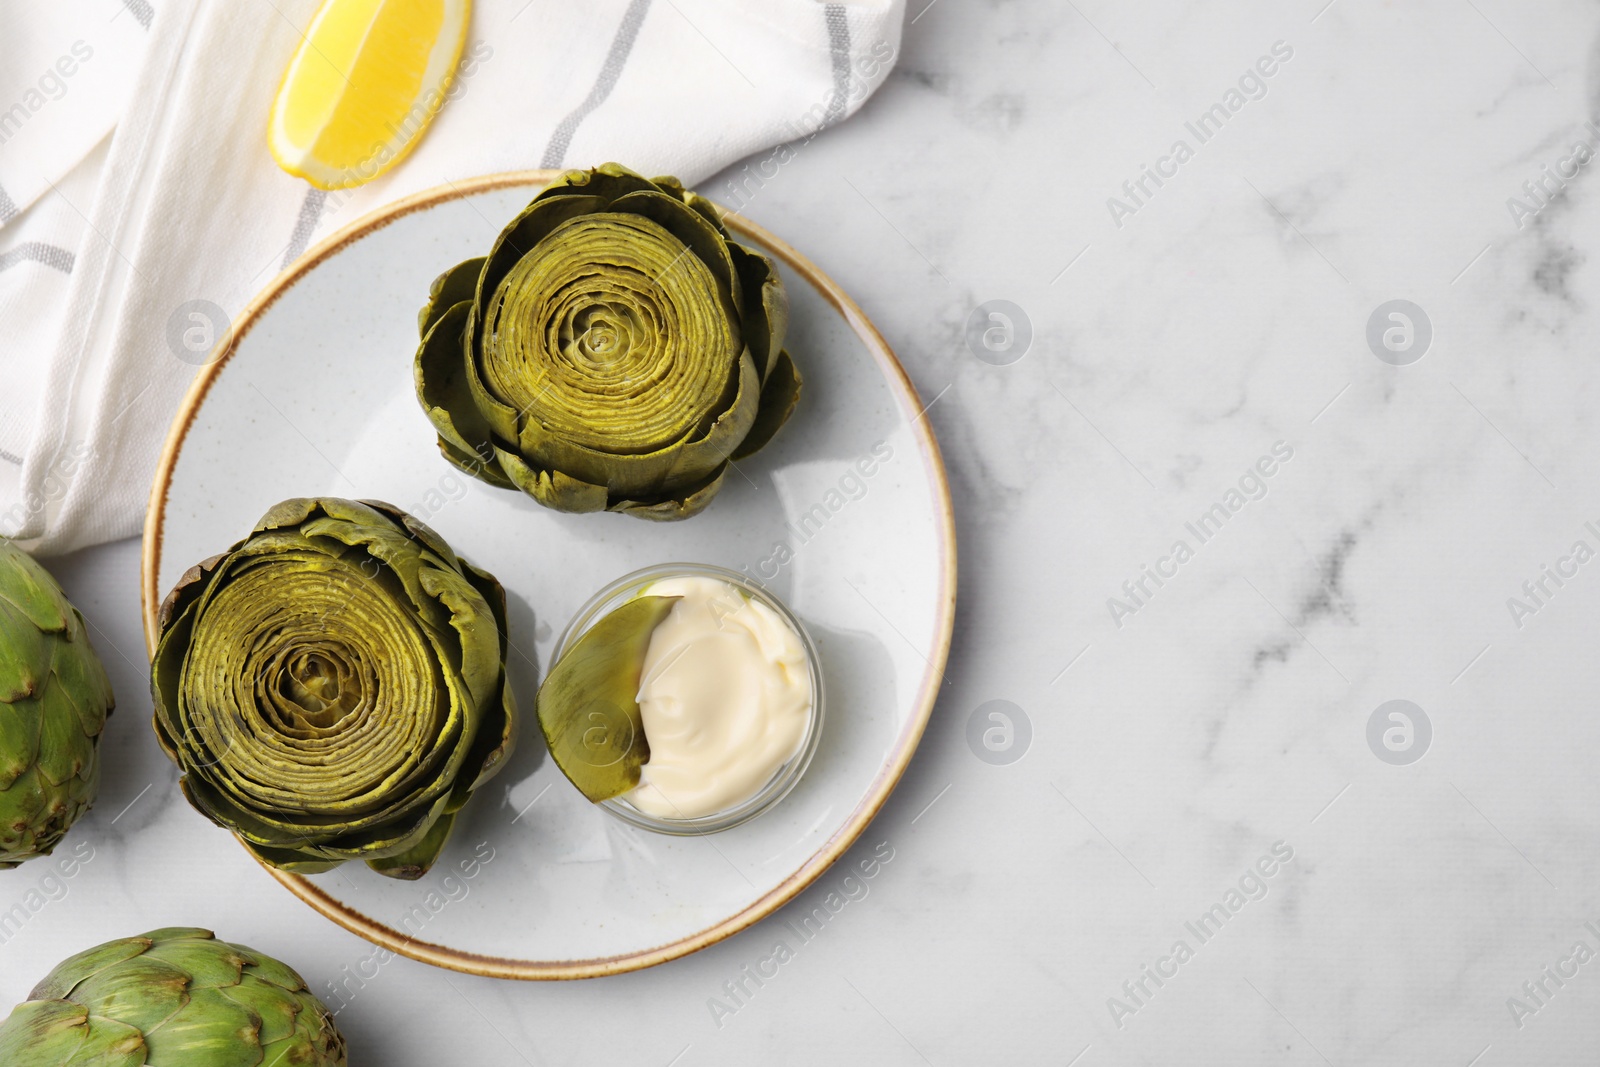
{"x":65,"y":750}
{"x":473,"y":464}
{"x":24,"y":656}
{"x":766,"y":307}
{"x":20,"y":727}
{"x":52,"y":1033}
{"x":190,"y":586}
{"x":608,"y":182}
{"x":25,"y":586}
{"x":779,"y":397}
{"x":74,"y":970}
{"x":81,"y":682}
{"x":417,"y":860}
{"x":356,"y":835}
{"x":176,"y":933}
{"x":447,"y":398}
{"x":142,"y":992}
{"x":588,"y":706}
{"x":110,"y":1043}
{"x":210,"y":1028}
{"x":553,"y":489}
{"x":497,"y":736}
{"x":200,"y":962}
{"x":271,"y":971}
{"x":292,"y":861}
{"x":705,"y":207}
{"x":692,"y":501}
{"x":457,"y":285}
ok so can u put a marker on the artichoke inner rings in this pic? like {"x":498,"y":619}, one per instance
{"x":310,"y":689}
{"x":320,"y":684}
{"x":612,"y":334}
{"x":599,"y":337}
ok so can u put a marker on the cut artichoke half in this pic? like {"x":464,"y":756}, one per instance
{"x":588,"y":705}
{"x":333,"y":687}
{"x":615,"y":350}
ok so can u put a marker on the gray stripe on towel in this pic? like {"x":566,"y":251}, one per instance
{"x":839,"y":52}
{"x":610,"y":72}
{"x":304,"y":226}
{"x":39,"y":252}
{"x":141,"y":10}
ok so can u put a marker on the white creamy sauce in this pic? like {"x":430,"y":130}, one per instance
{"x":725,"y":697}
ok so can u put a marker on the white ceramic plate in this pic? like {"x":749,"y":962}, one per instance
{"x":315,"y":397}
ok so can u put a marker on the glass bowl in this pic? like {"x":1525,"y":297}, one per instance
{"x":786,"y":776}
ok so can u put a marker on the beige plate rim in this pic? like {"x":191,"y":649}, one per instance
{"x":888,"y":776}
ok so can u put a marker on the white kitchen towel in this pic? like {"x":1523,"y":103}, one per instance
{"x":65,"y":73}
{"x":184,"y":209}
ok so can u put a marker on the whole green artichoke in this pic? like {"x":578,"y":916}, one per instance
{"x":614,"y":351}
{"x":171,"y":998}
{"x":54,"y":699}
{"x":333,"y":687}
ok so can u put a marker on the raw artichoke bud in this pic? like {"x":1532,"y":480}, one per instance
{"x":54,"y":699}
{"x":589,"y":708}
{"x":171,"y":998}
{"x":333,"y":687}
{"x":614,"y":351}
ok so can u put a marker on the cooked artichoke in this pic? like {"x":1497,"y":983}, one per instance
{"x":588,"y":705}
{"x":333,"y":687}
{"x":171,"y":998}
{"x":54,"y":699}
{"x":614,"y":351}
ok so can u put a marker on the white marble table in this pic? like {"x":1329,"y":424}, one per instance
{"x":1180,"y":731}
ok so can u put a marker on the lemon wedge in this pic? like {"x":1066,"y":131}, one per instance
{"x":363,"y":86}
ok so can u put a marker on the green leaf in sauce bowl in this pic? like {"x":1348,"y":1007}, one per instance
{"x":588,"y":708}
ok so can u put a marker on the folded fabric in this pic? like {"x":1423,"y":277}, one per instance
{"x":114,"y":241}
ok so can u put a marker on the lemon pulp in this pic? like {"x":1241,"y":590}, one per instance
{"x":363,"y":85}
